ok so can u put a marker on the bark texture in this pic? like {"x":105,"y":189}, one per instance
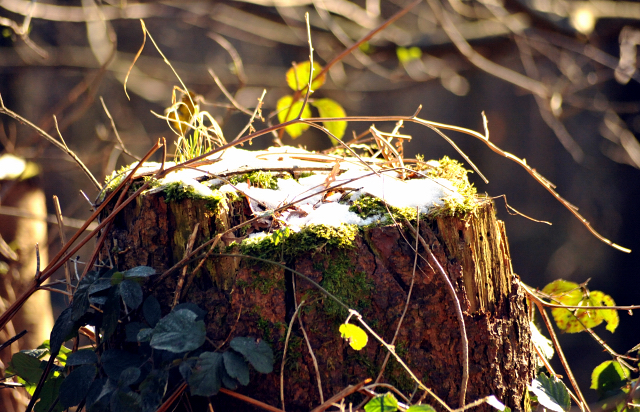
{"x":373,"y":275}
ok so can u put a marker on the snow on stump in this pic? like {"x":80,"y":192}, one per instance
{"x":327,"y":220}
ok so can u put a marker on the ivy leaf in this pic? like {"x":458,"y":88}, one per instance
{"x":81,"y":295}
{"x":331,"y":108}
{"x":132,"y":329}
{"x":382,"y":403}
{"x":354,"y":335}
{"x":257,"y":352}
{"x":236,"y":366}
{"x":179,"y":332}
{"x":206,"y":376}
{"x":111,"y":313}
{"x":421,"y":408}
{"x":131,"y":293}
{"x":129,"y":377}
{"x":294,"y":130}
{"x":139,"y":272}
{"x":61,"y":331}
{"x":82,"y":357}
{"x":298,"y":76}
{"x":76,"y":385}
{"x":152,"y":389}
{"x":99,"y":285}
{"x":151,"y":310}
{"x":122,"y":401}
{"x":98,"y":392}
{"x":551,"y":393}
{"x":115,"y":361}
{"x":608,"y":376}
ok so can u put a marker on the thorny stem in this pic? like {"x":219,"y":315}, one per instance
{"x":464,"y":342}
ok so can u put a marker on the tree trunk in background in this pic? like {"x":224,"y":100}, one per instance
{"x":243,"y":297}
{"x":18,"y":267}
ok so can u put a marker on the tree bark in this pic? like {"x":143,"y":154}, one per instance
{"x":372,"y":274}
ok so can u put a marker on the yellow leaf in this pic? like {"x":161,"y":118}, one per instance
{"x":283,"y":106}
{"x":331,"y":108}
{"x":298,"y":76}
{"x":356,"y":337}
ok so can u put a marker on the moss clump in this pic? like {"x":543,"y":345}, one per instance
{"x":368,"y":206}
{"x":454,"y":171}
{"x":261,"y":179}
{"x":176,"y":191}
{"x":285,"y":244}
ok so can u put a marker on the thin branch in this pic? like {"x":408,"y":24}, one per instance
{"x":115,"y":131}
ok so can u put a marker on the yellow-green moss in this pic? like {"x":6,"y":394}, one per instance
{"x":454,"y":172}
{"x":261,"y":179}
{"x":176,"y":191}
{"x":367,"y":206}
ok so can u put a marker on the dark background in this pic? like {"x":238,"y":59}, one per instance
{"x":605,"y":184}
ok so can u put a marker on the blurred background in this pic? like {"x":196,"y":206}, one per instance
{"x":557,"y":81}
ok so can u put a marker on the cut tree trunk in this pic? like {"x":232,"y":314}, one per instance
{"x":372,"y":272}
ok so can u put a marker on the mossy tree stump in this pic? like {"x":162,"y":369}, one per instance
{"x":370,"y":269}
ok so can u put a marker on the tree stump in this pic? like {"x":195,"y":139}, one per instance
{"x":370,"y":268}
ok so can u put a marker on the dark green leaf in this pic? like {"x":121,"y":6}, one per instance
{"x":382,"y":403}
{"x":151,"y":310}
{"x":26,"y":367}
{"x":82,"y":357}
{"x":185,"y":368}
{"x":76,"y":386}
{"x":179,"y":332}
{"x":139,"y":272}
{"x":608,"y":376}
{"x":152,"y":389}
{"x":81,"y":295}
{"x":228,"y":381}
{"x":114,"y":361}
{"x":131,"y":293}
{"x":111,"y":313}
{"x":99,"y":389}
{"x":236,"y":366}
{"x":129,"y":377}
{"x":206,"y":376}
{"x":122,"y":401}
{"x":257,"y":352}
{"x":132,"y":329}
{"x":551,"y":393}
{"x":100,"y":285}
{"x":200,"y":314}
{"x":49,"y":394}
{"x":61,"y":331}
{"x":144,"y":335}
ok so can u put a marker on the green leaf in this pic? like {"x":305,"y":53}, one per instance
{"x":298,"y":76}
{"x":76,"y":385}
{"x":151,"y":310}
{"x":81,"y":295}
{"x":26,"y":366}
{"x":115,"y":361}
{"x":331,"y":108}
{"x":354,"y":335}
{"x":125,"y":401}
{"x":382,"y":403}
{"x":608,"y":376}
{"x":48,"y":395}
{"x":285,"y":114}
{"x":421,"y":408}
{"x":179,"y":332}
{"x":573,"y":321}
{"x":236,"y":366}
{"x":131,"y":293}
{"x":139,"y":272}
{"x":257,"y":352}
{"x":206,"y":376}
{"x":551,"y":393}
{"x":82,"y":357}
{"x":129,"y":376}
{"x":406,"y":55}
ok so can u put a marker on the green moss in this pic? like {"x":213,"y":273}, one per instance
{"x":176,"y":192}
{"x":261,"y":179}
{"x":453,"y":171}
{"x":286,"y":244}
{"x":368,"y":206}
